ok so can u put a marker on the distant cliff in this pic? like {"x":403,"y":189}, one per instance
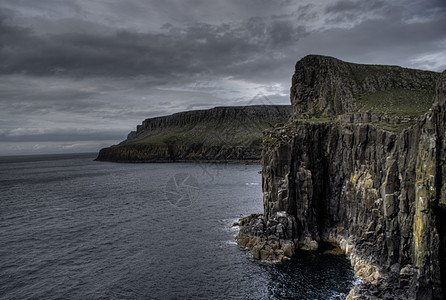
{"x":217,"y":134}
{"x":362,"y":165}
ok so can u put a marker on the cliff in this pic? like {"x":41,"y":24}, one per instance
{"x":325,"y":87}
{"x":362,"y":165}
{"x":217,"y":134}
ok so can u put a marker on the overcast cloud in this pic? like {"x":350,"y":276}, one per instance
{"x":78,"y":75}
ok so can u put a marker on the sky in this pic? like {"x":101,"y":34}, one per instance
{"x":79,"y":75}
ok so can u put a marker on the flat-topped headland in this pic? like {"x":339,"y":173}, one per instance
{"x":222,"y":134}
{"x":361,"y":164}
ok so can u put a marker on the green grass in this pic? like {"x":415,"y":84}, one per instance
{"x":411,"y":103}
{"x":234,"y":133}
{"x":396,"y":128}
{"x":362,"y":73}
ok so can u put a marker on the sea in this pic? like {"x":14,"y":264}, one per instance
{"x":75,"y":228}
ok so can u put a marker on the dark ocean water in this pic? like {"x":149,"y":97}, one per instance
{"x":73,"y":228}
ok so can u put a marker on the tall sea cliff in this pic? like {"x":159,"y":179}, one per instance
{"x":361,"y":164}
{"x":218,"y":134}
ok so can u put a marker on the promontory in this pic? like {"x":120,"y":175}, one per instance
{"x":221,"y":134}
{"x":361,"y":165}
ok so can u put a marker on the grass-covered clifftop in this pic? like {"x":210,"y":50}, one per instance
{"x":362,"y":164}
{"x":217,"y":134}
{"x":327,"y":87}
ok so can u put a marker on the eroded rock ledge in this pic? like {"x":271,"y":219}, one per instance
{"x":270,"y":240}
{"x":374,"y":182}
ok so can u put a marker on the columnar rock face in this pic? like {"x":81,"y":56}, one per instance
{"x":378,"y":190}
{"x":218,"y":134}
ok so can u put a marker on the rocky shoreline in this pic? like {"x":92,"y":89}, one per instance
{"x":274,"y":243}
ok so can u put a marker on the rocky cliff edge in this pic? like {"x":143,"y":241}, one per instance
{"x":360,"y":165}
{"x":217,"y":134}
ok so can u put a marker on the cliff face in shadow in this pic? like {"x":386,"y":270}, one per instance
{"x":218,"y":134}
{"x":362,"y":165}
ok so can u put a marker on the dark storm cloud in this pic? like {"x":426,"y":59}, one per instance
{"x":91,"y":70}
{"x":344,"y":6}
{"x":177,"y":53}
{"x":379,"y":41}
{"x":355,"y":11}
{"x":186,"y":54}
{"x":21,"y":95}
